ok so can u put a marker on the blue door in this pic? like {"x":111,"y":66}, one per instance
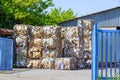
{"x":105,"y":53}
{"x":6,"y":53}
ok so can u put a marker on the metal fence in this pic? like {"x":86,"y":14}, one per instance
{"x":6,"y":53}
{"x":105,"y":53}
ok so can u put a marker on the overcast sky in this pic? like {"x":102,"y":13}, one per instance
{"x":83,"y":7}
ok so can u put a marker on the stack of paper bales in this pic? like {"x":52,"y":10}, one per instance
{"x":21,"y":38}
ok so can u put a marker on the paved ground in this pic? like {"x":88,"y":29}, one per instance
{"x":38,"y":74}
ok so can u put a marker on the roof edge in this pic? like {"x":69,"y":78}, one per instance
{"x":90,"y":14}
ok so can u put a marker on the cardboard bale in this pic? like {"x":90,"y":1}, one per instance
{"x":47,"y":63}
{"x":73,"y":52}
{"x":52,"y":31}
{"x":21,"y":41}
{"x":71,"y":43}
{"x":33,"y":63}
{"x":36,"y":42}
{"x":21,"y":53}
{"x":21,"y":30}
{"x":52,"y":43}
{"x":81,"y":39}
{"x":87,"y":45}
{"x":70,"y":32}
{"x":72,"y":37}
{"x":51,"y":52}
{"x":65,"y":63}
{"x":34,"y":53}
{"x":87,"y":26}
{"x":84,"y":64}
{"x":36,"y":32}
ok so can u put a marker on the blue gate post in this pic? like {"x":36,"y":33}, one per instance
{"x":94,"y":54}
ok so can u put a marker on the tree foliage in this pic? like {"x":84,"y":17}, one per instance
{"x":33,"y":12}
{"x":23,"y":11}
{"x":58,"y":15}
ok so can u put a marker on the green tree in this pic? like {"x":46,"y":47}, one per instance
{"x":23,"y":11}
{"x":33,"y":12}
{"x":58,"y":15}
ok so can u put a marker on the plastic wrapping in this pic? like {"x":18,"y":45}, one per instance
{"x":65,"y":63}
{"x":47,"y":63}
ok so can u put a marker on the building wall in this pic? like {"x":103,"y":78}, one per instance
{"x":105,"y":18}
{"x":69,"y":23}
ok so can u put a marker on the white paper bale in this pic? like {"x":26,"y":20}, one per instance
{"x":21,"y":30}
{"x":65,"y":63}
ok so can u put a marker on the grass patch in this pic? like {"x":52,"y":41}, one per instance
{"x":117,"y":77}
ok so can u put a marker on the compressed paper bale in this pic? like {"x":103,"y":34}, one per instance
{"x":34,"y":63}
{"x":81,"y":39}
{"x":52,"y":31}
{"x":34,"y":49}
{"x":87,"y":54}
{"x":73,"y":52}
{"x":21,"y":41}
{"x":87,"y":45}
{"x":34,"y":52}
{"x":80,"y":64}
{"x":21,"y":30}
{"x":34,"y":55}
{"x":86,"y":24}
{"x":70,"y":32}
{"x":36,"y":32}
{"x":52,"y":42}
{"x":36,"y":42}
{"x":71,"y":42}
{"x":51,"y":53}
{"x":21,"y":51}
{"x":21,"y":60}
{"x":65,"y":63}
{"x":85,"y":61}
{"x":47,"y":63}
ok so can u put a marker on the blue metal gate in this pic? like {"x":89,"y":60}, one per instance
{"x":105,"y":53}
{"x":6,"y":54}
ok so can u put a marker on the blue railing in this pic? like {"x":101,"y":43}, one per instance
{"x":105,"y":53}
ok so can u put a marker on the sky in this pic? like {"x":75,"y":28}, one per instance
{"x":84,"y":7}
